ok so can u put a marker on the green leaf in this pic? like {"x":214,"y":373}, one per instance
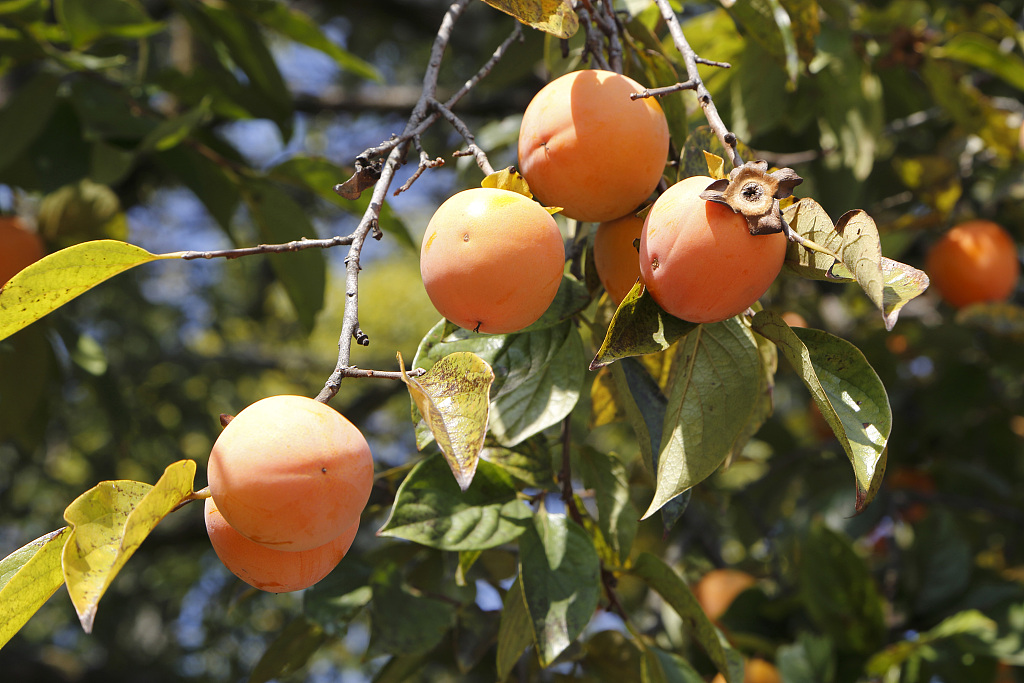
{"x":289,"y":652}
{"x":808,"y":219}
{"x":712,"y":394}
{"x":639,"y":327}
{"x":702,"y":139}
{"x":560,"y":572}
{"x":430,"y":508}
{"x":303,"y":273}
{"x":659,"y":666}
{"x":56,"y":279}
{"x":28,"y":577}
{"x":901,"y":284}
{"x":847,"y":390}
{"x":340,"y":596}
{"x":514,"y":632}
{"x":452,"y":398}
{"x":292,"y":23}
{"x":811,"y":659}
{"x":404,"y":620}
{"x":671,"y":587}
{"x":970,"y":626}
{"x":862,"y":252}
{"x":551,"y":16}
{"x":16,"y":6}
{"x":1003,"y":319}
{"x":172,"y":132}
{"x":25,"y":115}
{"x":571,"y":298}
{"x":538,"y":375}
{"x":617,"y":517}
{"x":980,"y":51}
{"x":109,"y":522}
{"x":530,"y":462}
{"x":88,"y":20}
{"x":839,"y":592}
{"x":27,"y":368}
{"x":79,"y":212}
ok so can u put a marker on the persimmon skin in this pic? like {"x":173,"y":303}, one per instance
{"x":615,"y":257}
{"x":975,"y":261}
{"x":698,"y":258}
{"x":290,"y":473}
{"x":717,"y":589}
{"x":274,"y":571}
{"x":585,"y":146}
{"x":491,"y":260}
{"x":19,"y":247}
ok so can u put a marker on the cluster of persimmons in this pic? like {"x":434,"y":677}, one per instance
{"x":491,"y":259}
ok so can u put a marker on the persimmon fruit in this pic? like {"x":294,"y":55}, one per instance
{"x":491,"y":260}
{"x":585,"y":146}
{"x":716,"y":590}
{"x":698,"y":258}
{"x":274,"y":571}
{"x":19,"y":247}
{"x":975,"y":261}
{"x":290,"y":473}
{"x":756,"y":671}
{"x":615,"y":257}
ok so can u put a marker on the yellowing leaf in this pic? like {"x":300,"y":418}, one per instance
{"x":109,"y":522}
{"x":28,"y":577}
{"x":508,"y":179}
{"x":716,"y":166}
{"x":454,"y":399}
{"x":551,"y":16}
{"x":54,"y":280}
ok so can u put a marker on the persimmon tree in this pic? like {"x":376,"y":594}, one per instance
{"x":550,"y":494}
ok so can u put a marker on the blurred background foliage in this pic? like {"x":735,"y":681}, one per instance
{"x":162,"y":123}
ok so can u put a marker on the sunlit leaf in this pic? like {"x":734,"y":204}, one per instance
{"x":508,"y":179}
{"x":967,"y":626}
{"x":430,"y":509}
{"x":551,"y":16}
{"x":639,"y":326}
{"x":174,"y":130}
{"x":846,"y":389}
{"x":901,"y":284}
{"x":673,"y":590}
{"x":560,"y":572}
{"x":289,"y":652}
{"x":56,"y":279}
{"x":109,"y":522}
{"x":808,"y":219}
{"x":538,"y":374}
{"x":984,"y":53}
{"x":453,"y":399}
{"x":514,"y":632}
{"x":88,"y":20}
{"x":712,"y":394}
{"x":862,"y":252}
{"x":28,"y":577}
{"x":702,"y":140}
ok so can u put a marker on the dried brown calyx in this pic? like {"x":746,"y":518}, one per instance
{"x":754,"y":192}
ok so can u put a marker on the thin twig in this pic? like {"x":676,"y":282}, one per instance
{"x":297,"y":245}
{"x":690,"y":58}
{"x":369,"y":222}
{"x":463,"y":130}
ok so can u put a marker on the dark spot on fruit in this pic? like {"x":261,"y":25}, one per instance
{"x":654,"y":264}
{"x":465,"y":237}
{"x":324,"y":470}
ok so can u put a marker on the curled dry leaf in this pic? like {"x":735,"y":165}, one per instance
{"x":755,"y":193}
{"x":366,"y":176}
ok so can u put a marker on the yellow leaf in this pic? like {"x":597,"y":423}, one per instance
{"x":109,"y":522}
{"x":56,"y":279}
{"x":551,"y":16}
{"x":28,"y":577}
{"x":716,"y":165}
{"x":453,"y":398}
{"x":508,"y":179}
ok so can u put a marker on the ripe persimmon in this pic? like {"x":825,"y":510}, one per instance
{"x":615,"y":256}
{"x":585,"y":146}
{"x":973,"y":262}
{"x":716,"y":590}
{"x":756,"y":671}
{"x":290,"y":473}
{"x":698,"y":258}
{"x":491,"y":260}
{"x":19,"y":247}
{"x":274,"y":571}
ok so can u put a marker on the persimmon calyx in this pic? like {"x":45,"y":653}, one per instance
{"x":752,"y":191}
